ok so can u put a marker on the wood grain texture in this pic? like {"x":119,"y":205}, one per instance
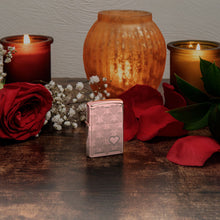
{"x":68,"y":21}
{"x":50,"y":177}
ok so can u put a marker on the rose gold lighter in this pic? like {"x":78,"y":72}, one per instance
{"x":105,"y":127}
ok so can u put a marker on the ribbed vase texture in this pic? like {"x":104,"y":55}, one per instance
{"x":127,"y":48}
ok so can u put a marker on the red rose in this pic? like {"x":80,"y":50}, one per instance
{"x":23,"y":107}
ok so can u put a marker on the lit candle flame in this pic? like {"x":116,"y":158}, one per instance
{"x":198,"y":47}
{"x":26,"y":39}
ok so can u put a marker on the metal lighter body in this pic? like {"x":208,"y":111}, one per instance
{"x":105,"y":128}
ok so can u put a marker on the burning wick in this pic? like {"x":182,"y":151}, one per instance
{"x":198,"y":47}
{"x":26,"y":39}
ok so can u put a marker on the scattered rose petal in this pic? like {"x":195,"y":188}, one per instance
{"x":192,"y":150}
{"x":141,"y":98}
{"x":155,"y":121}
{"x":173,"y":129}
{"x":173,"y":99}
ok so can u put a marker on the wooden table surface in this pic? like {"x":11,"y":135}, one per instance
{"x":50,"y":177}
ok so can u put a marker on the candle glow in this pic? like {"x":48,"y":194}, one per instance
{"x":198,"y":47}
{"x":31,"y":61}
{"x":185,"y":59}
{"x":26,"y":39}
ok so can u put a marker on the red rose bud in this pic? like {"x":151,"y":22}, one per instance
{"x":23,"y":107}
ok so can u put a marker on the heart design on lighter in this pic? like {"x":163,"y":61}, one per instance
{"x":114,"y":139}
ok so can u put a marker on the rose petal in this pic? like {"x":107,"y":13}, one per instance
{"x":141,"y":97}
{"x":130,"y":123}
{"x":192,"y":150}
{"x":157,"y":122}
{"x":172,"y":98}
{"x":10,"y":98}
{"x":173,"y":129}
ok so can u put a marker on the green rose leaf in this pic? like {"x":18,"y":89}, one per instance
{"x":214,"y":122}
{"x":191,"y":92}
{"x":211,"y":77}
{"x":204,"y":66}
{"x":193,"y":116}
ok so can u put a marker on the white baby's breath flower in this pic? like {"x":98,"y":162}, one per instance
{"x":69,"y":88}
{"x":79,"y":96}
{"x":67,"y":123}
{"x":52,"y":83}
{"x":48,"y":115}
{"x":92,"y":95}
{"x":82,"y":118}
{"x":69,"y":104}
{"x":79,"y":86}
{"x":53,"y":110}
{"x":81,"y":107}
{"x":63,"y":110}
{"x":7,"y":60}
{"x":56,"y":118}
{"x":11,"y":48}
{"x":58,"y":127}
{"x":97,"y":98}
{"x":74,"y":100}
{"x":4,"y":74}
{"x":100,"y":95}
{"x":72,"y":112}
{"x":94,"y":79}
{"x":75,"y":125}
{"x":60,"y":88}
{"x":47,"y":87}
{"x":10,"y":55}
{"x":58,"y":98}
{"x":108,"y":94}
{"x":61,"y":120}
{"x":59,"y":95}
{"x":63,"y":95}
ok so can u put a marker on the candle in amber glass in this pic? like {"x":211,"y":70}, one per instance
{"x":127,"y":48}
{"x":185,"y":59}
{"x":31,"y":61}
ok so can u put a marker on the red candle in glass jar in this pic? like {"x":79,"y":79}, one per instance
{"x":31,"y":61}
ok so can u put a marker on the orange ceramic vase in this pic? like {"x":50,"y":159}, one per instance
{"x":127,"y":48}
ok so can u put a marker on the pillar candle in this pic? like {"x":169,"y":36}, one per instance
{"x":31,"y":61}
{"x":185,"y":59}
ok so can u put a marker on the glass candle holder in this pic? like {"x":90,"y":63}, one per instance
{"x":185,"y":59}
{"x":127,"y":48}
{"x":31,"y":61}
